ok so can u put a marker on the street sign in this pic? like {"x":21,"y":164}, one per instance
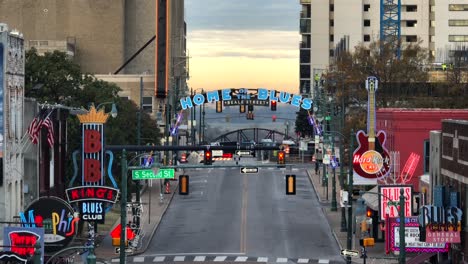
{"x":127,"y":250}
{"x":249,"y":170}
{"x":143,"y":174}
{"x":165,"y":174}
{"x":149,"y":174}
{"x":243,"y":152}
{"x":351,"y":253}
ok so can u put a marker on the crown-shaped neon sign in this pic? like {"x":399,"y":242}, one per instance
{"x":94,"y":116}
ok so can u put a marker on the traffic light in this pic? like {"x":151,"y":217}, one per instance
{"x":281,"y":157}
{"x":242,"y":108}
{"x":273,"y":105}
{"x":369,"y":212}
{"x":273,"y":118}
{"x":219,"y":106}
{"x":183,"y":184}
{"x":208,"y":157}
{"x":290,"y":184}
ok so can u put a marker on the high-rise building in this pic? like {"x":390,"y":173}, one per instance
{"x":438,"y":25}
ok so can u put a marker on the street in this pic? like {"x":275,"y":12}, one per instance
{"x":229,"y":216}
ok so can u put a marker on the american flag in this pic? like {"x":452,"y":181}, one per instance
{"x":34,"y":129}
{"x":50,"y":131}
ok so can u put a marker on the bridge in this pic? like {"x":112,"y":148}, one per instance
{"x":249,"y":134}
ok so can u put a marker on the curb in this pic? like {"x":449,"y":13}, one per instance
{"x":325,"y":213}
{"x":145,"y":247}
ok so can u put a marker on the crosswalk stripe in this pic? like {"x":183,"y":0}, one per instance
{"x":199,"y":258}
{"x":262,"y":260}
{"x":301,"y":260}
{"x":241,"y":259}
{"x":179,"y":258}
{"x":159,"y":259}
{"x":139,"y":259}
{"x":324,"y":261}
{"x":220,"y":258}
{"x":115,"y":260}
{"x":281,"y":260}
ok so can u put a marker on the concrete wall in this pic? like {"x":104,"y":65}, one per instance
{"x":97,"y":27}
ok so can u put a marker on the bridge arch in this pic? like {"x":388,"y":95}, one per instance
{"x":249,"y":134}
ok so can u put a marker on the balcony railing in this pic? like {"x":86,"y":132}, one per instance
{"x":306,"y":2}
{"x":305,"y":29}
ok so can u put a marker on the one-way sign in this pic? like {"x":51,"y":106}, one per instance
{"x":243,"y":152}
{"x":249,"y":170}
{"x":351,"y":253}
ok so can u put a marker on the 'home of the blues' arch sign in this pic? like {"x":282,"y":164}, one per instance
{"x":262,"y":95}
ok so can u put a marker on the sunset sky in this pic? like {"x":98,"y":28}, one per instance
{"x":243,"y":44}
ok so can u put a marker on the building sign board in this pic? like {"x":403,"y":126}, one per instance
{"x":390,"y":198}
{"x":411,"y":237}
{"x":21,"y":241}
{"x":92,"y":198}
{"x":56,"y":217}
{"x":240,"y":96}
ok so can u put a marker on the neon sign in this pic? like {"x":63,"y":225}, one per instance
{"x":262,"y":95}
{"x":389,"y":200}
{"x":22,"y":240}
{"x":56,"y":217}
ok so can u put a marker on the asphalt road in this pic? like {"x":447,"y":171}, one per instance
{"x":232,"y":214}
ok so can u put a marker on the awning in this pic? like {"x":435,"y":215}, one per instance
{"x":372,"y":199}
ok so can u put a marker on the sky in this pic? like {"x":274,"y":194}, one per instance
{"x":243,"y":44}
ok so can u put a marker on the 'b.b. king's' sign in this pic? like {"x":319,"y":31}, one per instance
{"x":93,"y":198}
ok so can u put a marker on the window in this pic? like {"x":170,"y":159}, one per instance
{"x":366,"y":38}
{"x":332,"y":23}
{"x":458,"y":7}
{"x":427,"y":153}
{"x":304,"y":56}
{"x":411,"y":8}
{"x":332,"y":8}
{"x":332,"y":53}
{"x":147,"y":104}
{"x":447,"y":146}
{"x":366,"y":8}
{"x":332,"y":37}
{"x":411,"y":38}
{"x":458,"y":38}
{"x":411,"y":23}
{"x":367,"y":22}
{"x":458,"y":22}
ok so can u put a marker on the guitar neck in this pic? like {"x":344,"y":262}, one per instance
{"x":371,"y":119}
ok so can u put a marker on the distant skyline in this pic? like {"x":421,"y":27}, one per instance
{"x":243,"y":44}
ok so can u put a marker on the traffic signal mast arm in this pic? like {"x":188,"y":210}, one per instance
{"x":204,"y":147}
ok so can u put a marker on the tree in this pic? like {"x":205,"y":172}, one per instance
{"x":54,"y":78}
{"x":302,"y":124}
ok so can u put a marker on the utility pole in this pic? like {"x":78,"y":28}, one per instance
{"x":402,"y":227}
{"x":123,"y":206}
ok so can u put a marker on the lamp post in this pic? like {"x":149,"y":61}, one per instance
{"x":349,"y":241}
{"x":123,"y":206}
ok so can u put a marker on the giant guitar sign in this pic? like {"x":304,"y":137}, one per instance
{"x":371,"y":160}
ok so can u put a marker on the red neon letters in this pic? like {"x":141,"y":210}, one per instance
{"x":92,"y":144}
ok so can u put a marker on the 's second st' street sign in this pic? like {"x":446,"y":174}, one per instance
{"x":249,"y":170}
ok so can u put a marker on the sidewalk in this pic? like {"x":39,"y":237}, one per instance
{"x":153,"y":211}
{"x":375,"y":254}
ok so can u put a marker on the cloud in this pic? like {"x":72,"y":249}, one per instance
{"x":263,"y":44}
{"x":242,"y":14}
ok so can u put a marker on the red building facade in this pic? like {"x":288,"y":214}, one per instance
{"x":408,"y":132}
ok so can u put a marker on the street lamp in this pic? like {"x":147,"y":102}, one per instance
{"x":401,"y":214}
{"x":113,"y":111}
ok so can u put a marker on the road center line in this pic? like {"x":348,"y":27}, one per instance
{"x":243,"y":235}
